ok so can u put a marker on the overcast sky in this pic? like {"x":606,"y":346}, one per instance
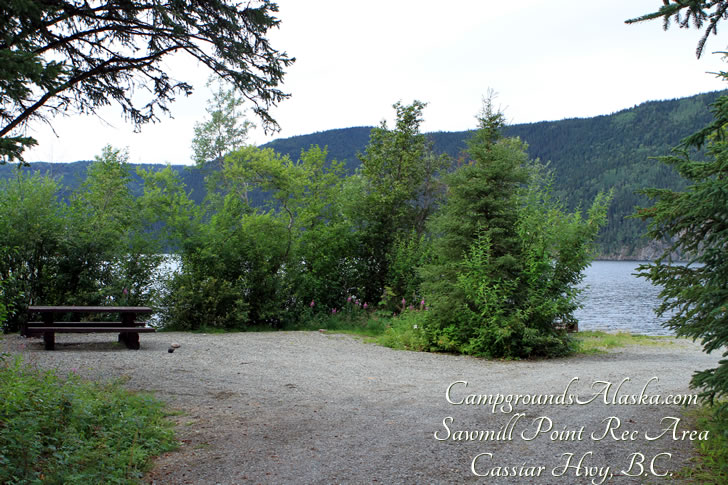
{"x":546,"y":60}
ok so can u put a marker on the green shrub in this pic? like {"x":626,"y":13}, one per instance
{"x":97,"y":250}
{"x":406,"y":331}
{"x":70,"y":431}
{"x":710,"y":467}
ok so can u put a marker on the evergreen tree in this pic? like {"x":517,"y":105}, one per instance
{"x":695,"y":221}
{"x":506,"y":258}
{"x":698,"y":13}
{"x":481,"y":204}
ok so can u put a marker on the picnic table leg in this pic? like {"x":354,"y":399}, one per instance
{"x":131,"y":339}
{"x":49,"y":339}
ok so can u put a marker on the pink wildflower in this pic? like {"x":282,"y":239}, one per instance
{"x":124,"y":292}
{"x":348,"y":300}
{"x":333,"y":310}
{"x":403,"y":302}
{"x":312,"y":304}
{"x":365,"y":305}
{"x":422,"y":303}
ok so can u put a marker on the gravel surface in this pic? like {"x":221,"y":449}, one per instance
{"x":313,"y":407}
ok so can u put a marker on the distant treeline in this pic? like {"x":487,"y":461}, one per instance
{"x":588,"y":155}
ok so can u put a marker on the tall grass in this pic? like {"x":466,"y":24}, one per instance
{"x":65,"y":430}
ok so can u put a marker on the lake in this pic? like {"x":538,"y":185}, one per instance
{"x":616,"y":300}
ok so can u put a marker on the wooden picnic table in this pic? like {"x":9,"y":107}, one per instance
{"x":127,"y":326}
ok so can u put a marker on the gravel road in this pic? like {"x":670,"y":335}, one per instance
{"x":313,"y":407}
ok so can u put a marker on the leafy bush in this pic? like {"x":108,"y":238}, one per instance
{"x":94,"y":251}
{"x":406,"y":332}
{"x":250,"y":266}
{"x":70,"y":431}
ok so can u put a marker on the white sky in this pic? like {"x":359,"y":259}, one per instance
{"x":546,"y":60}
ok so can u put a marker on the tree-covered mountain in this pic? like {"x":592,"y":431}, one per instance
{"x":588,"y":155}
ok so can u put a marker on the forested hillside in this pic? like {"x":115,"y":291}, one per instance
{"x":587,"y":155}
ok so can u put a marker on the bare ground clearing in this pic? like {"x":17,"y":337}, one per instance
{"x":310,"y":407}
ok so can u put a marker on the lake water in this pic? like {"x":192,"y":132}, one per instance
{"x":616,"y":300}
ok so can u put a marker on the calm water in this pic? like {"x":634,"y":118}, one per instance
{"x":616,"y":300}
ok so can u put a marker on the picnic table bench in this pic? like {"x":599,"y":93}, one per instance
{"x":127,"y":328}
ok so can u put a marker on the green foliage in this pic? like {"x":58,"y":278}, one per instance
{"x":261,"y":266}
{"x":66,"y":430}
{"x":710,"y":467}
{"x":399,"y":174}
{"x":406,"y":332}
{"x":587,"y":156}
{"x":507,"y":258}
{"x":221,"y":132}
{"x":6,"y":282}
{"x":592,"y":342}
{"x":31,"y":227}
{"x":94,"y":251}
{"x":687,"y":13}
{"x":66,"y":55}
{"x":694,"y":221}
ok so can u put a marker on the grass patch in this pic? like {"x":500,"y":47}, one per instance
{"x":711,"y":465}
{"x":595,"y":342}
{"x":363,"y":324}
{"x":66,"y":430}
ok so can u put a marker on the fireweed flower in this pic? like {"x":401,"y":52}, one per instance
{"x":348,"y":300}
{"x":365,"y":305}
{"x":403,"y":302}
{"x":422,"y":303}
{"x":312,"y":304}
{"x":333,"y":310}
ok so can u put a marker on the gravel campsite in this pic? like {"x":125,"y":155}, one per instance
{"x":319,"y":407}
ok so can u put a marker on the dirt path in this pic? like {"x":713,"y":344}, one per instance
{"x":309,"y":407}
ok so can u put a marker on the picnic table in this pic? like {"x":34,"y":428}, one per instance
{"x":127,"y":326}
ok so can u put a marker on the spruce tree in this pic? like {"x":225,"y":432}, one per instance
{"x":695,"y":221}
{"x":481,"y":205}
{"x":507,"y":260}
